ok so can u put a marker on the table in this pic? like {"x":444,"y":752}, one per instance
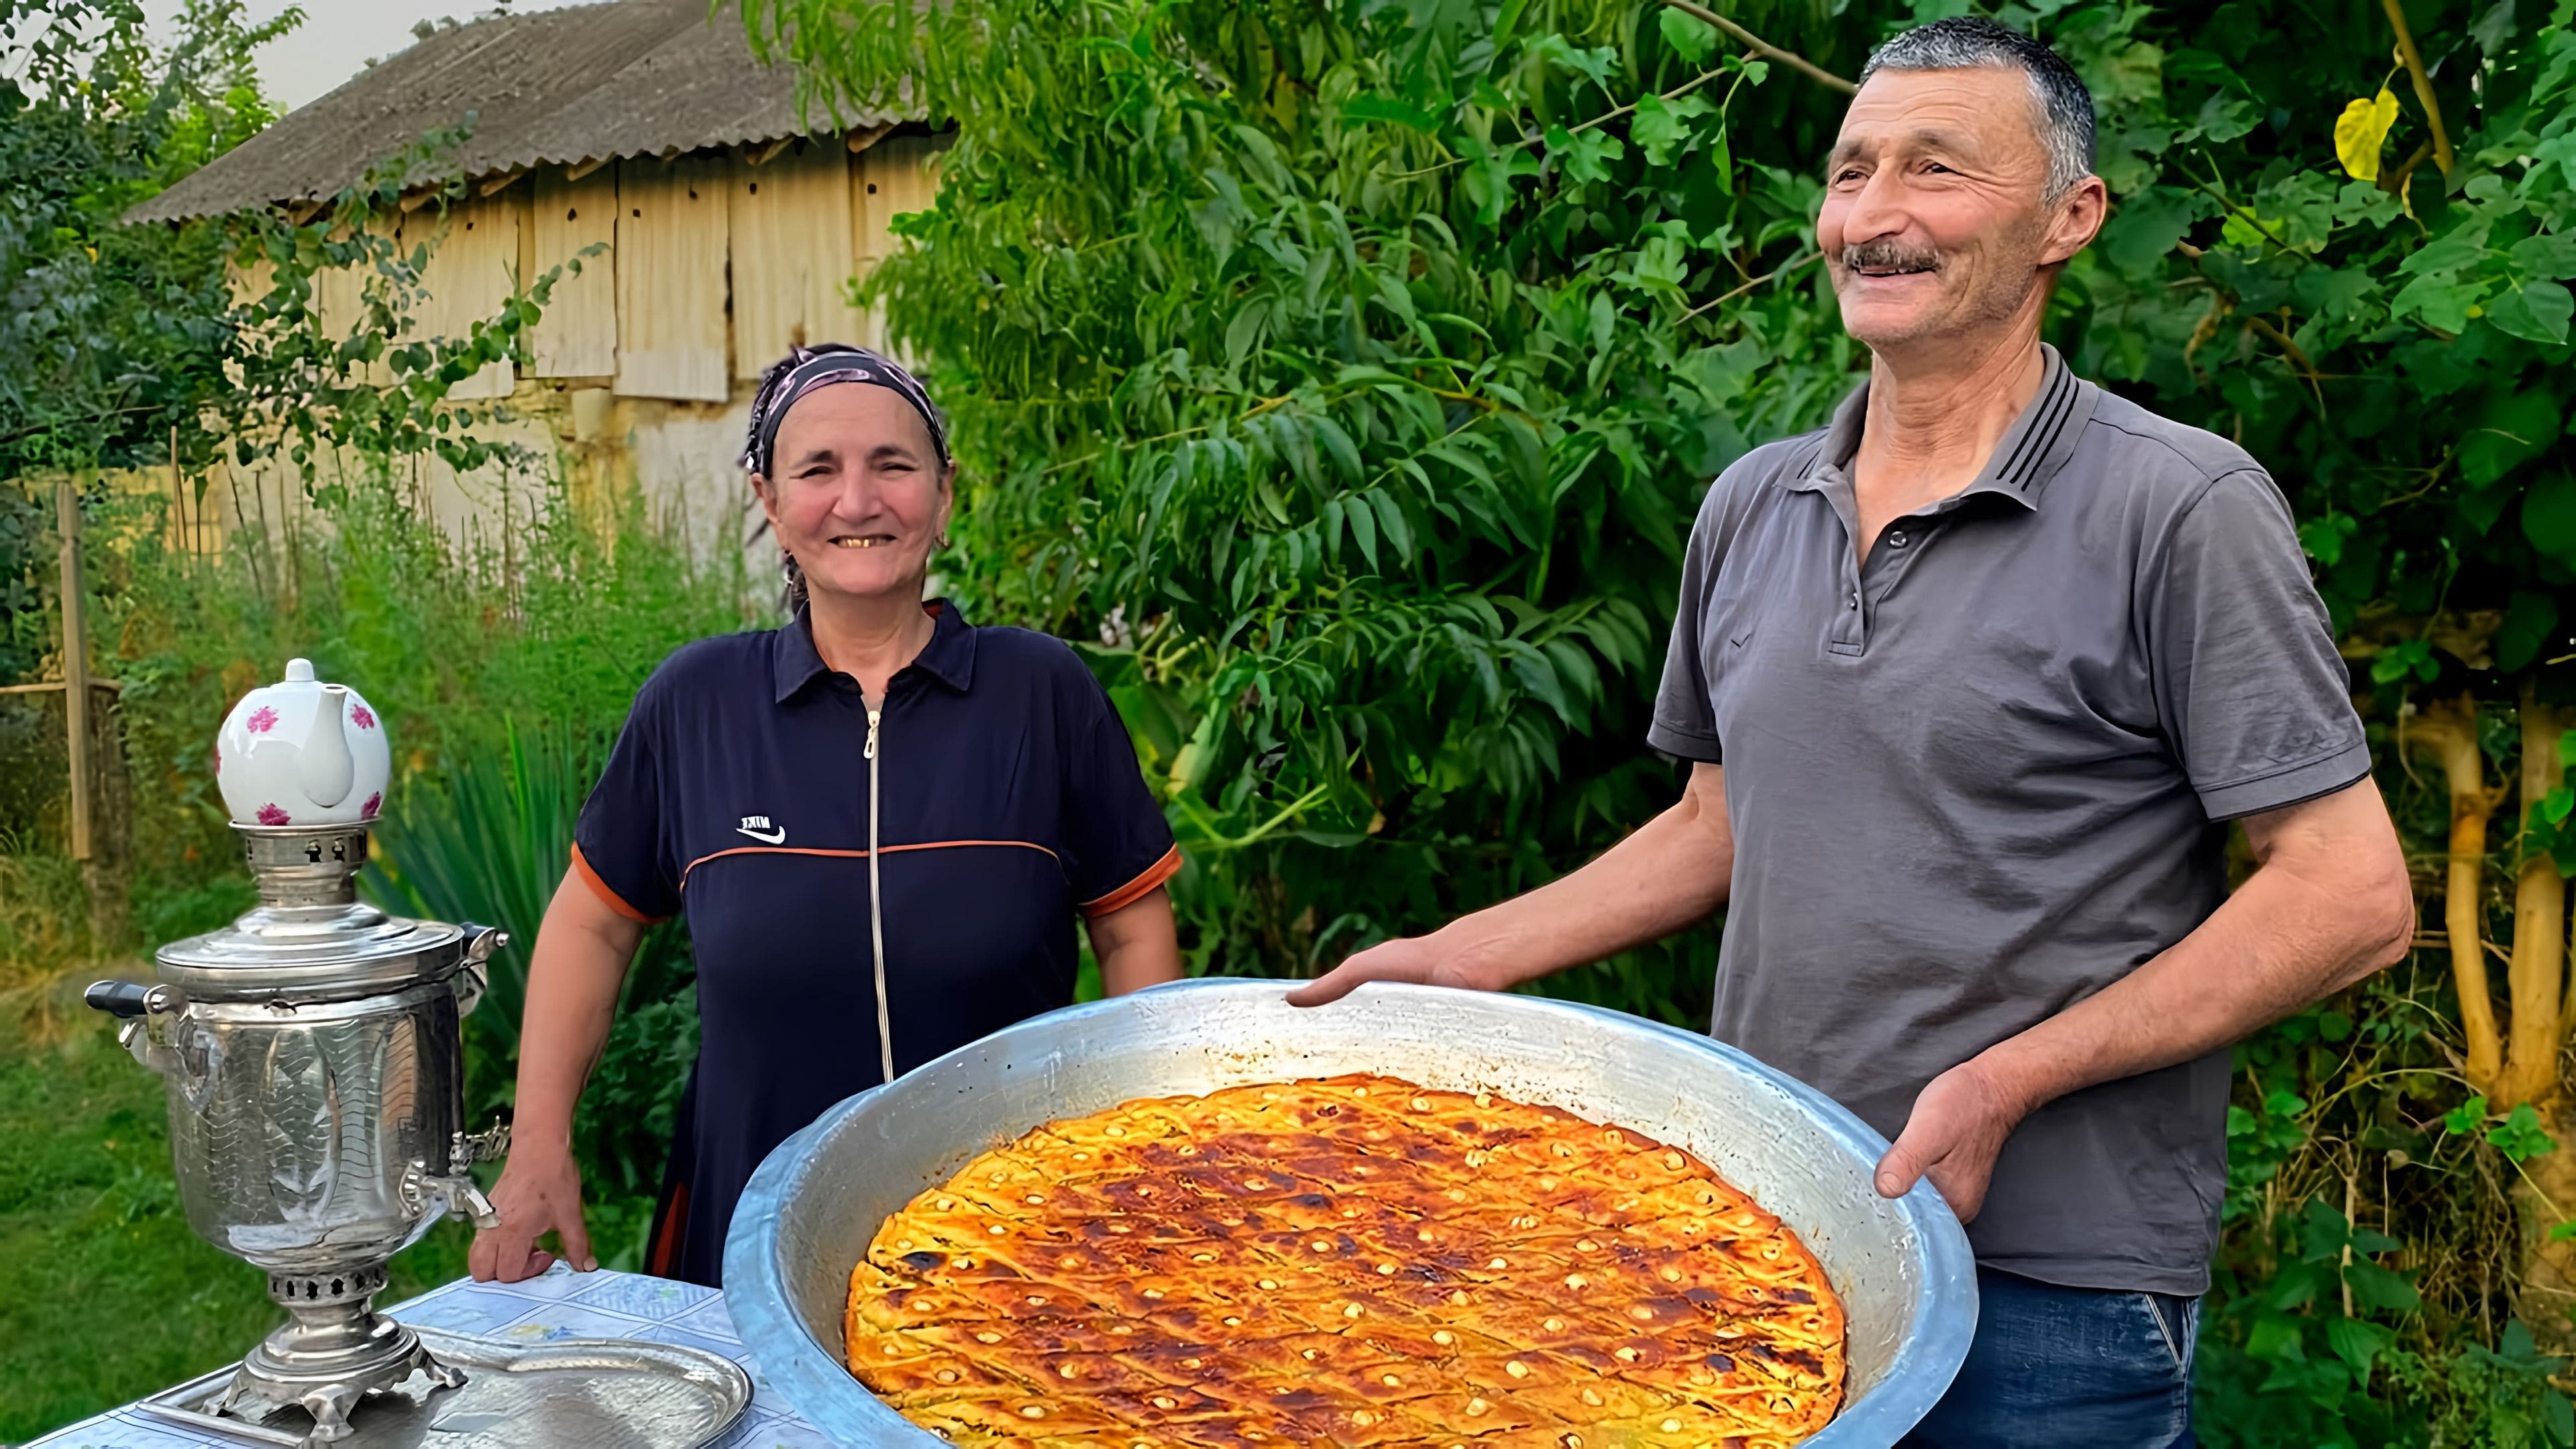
{"x":559,"y":1304}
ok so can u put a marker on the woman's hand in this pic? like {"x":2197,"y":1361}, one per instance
{"x":537,"y":1193}
{"x":573,"y":976}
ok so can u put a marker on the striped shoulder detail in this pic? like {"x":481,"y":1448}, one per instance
{"x":1137,"y":889}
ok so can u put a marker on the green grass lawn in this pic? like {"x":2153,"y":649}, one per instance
{"x":105,"y":1295}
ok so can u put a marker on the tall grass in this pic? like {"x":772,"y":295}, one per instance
{"x":488,"y":842}
{"x":503,"y":672}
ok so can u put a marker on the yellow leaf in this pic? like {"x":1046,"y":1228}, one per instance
{"x":2360,"y":130}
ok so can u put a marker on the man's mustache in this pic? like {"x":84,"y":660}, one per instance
{"x":1889,"y":256}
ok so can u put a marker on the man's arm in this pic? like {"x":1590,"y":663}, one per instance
{"x":1671,"y":872}
{"x":2328,"y":904}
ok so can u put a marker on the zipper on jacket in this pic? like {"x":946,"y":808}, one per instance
{"x":876,"y":910}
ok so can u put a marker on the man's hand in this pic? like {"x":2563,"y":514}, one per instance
{"x":1958,"y":1125}
{"x":2327,"y":905}
{"x":536,"y":1192}
{"x":1409,"y":958}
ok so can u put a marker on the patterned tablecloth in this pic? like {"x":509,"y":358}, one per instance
{"x":561,"y":1304}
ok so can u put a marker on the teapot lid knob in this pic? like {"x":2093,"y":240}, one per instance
{"x":299,"y":671}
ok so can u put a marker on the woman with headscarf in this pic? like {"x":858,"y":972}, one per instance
{"x":879,"y":820}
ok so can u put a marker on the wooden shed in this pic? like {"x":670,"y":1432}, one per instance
{"x":729,"y":225}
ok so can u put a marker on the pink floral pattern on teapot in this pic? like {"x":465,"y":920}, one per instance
{"x":302,"y":752}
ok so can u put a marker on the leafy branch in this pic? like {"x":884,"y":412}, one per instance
{"x":1767,"y":50}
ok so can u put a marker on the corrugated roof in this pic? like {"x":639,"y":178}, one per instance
{"x":632,"y":78}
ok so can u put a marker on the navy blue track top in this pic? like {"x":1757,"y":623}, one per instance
{"x":738,"y":795}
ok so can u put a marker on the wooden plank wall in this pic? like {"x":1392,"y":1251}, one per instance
{"x":672,"y":338}
{"x":577,"y":335}
{"x":898,"y":174}
{"x":793,"y":254}
{"x":709,"y":265}
{"x":340,"y":295}
{"x":473,"y":261}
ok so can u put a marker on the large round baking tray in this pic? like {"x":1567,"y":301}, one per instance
{"x":1902,"y":1266}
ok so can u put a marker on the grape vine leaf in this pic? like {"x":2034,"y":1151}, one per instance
{"x":2547,"y":257}
{"x":1691,"y":38}
{"x":1661,"y":127}
{"x":2494,"y":27}
{"x":1585,"y":155}
{"x":2466,"y":1116}
{"x":2508,"y":431}
{"x":2528,"y":619}
{"x":2358,"y":1341}
{"x":2549,"y":516}
{"x":2360,"y":132}
{"x":2534,"y":312}
{"x":2144,"y":231}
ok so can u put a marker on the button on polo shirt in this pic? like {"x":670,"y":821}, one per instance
{"x":1985,"y":773}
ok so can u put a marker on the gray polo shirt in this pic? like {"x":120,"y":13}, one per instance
{"x":1985,"y":775}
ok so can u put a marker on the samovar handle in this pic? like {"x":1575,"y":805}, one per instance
{"x":134,"y":1003}
{"x":128,"y":999}
{"x":480,"y":943}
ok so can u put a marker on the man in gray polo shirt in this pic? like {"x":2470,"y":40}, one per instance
{"x":1972,"y":681}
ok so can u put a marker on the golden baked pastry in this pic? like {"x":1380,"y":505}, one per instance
{"x":1353,"y":1261}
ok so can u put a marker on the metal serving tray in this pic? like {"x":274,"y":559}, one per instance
{"x":574,"y":1393}
{"x":1903,"y":1268}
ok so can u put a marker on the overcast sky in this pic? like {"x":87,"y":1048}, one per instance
{"x":337,"y":37}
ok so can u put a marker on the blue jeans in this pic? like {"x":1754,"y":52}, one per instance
{"x":2069,"y":1368}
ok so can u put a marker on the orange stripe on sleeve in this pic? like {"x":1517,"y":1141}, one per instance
{"x":600,"y":888}
{"x":1135,"y":890}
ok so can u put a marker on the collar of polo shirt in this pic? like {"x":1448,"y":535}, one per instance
{"x":2038,"y":444}
{"x":949,"y":657}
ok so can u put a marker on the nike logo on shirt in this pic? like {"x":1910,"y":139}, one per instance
{"x":759,"y":828}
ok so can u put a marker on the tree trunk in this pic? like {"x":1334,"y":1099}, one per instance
{"x":2547,"y":1196}
{"x":2537,"y":983}
{"x":2537,"y":977}
{"x":2449,"y":732}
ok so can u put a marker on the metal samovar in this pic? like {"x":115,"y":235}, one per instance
{"x":314,"y":1071}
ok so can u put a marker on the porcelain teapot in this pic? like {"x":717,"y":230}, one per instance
{"x":302,"y":752}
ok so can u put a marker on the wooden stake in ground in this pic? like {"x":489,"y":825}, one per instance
{"x":103,"y":915}
{"x":75,"y":667}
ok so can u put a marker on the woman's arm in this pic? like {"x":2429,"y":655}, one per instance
{"x":580,"y":960}
{"x":1137,"y":944}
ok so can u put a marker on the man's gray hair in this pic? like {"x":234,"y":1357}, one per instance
{"x":2065,"y":107}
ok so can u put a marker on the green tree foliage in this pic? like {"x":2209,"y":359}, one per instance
{"x":129,"y":344}
{"x":112,"y":333}
{"x":109,"y":336}
{"x":113,"y":337}
{"x":1352,"y":372}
